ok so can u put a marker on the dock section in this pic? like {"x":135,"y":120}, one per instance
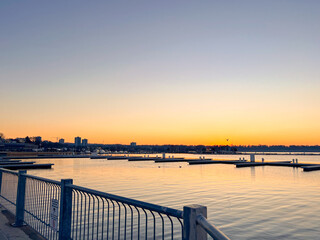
{"x":278,"y":163}
{"x":311,"y":168}
{"x":27,"y":166}
{"x":216,"y":162}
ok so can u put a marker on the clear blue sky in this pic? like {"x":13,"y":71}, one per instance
{"x":117,"y":71}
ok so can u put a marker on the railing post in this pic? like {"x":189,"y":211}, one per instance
{"x":0,"y":180}
{"x":21,"y":193}
{"x":65,"y":210}
{"x":191,"y":230}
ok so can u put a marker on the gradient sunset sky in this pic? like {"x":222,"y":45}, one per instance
{"x":161,"y":72}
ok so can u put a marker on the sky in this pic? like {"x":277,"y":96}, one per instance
{"x":161,"y":72}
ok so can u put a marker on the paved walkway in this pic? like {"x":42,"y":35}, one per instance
{"x":7,"y":232}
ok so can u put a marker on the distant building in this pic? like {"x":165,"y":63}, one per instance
{"x":38,"y":139}
{"x":61,"y":141}
{"x":133,"y":144}
{"x":84,"y":142}
{"x":77,"y":141}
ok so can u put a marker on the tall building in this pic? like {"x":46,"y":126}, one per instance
{"x":133,"y":144}
{"x":84,"y":142}
{"x":77,"y":141}
{"x":61,"y":141}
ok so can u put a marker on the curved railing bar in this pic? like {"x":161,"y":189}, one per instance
{"x":153,"y":207}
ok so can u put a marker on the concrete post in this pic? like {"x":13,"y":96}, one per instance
{"x":192,"y":231}
{"x":21,"y":193}
{"x":252,"y":158}
{"x":65,"y":210}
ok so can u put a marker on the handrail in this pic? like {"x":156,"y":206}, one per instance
{"x":9,"y":171}
{"x":212,"y":230}
{"x":43,"y":179}
{"x":137,"y":203}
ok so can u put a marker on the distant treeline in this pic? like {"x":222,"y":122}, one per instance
{"x":31,"y":144}
{"x":278,"y":148}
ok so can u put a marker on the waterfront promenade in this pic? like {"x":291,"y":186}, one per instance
{"x":7,"y":232}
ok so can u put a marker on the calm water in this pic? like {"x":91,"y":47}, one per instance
{"x":245,"y":203}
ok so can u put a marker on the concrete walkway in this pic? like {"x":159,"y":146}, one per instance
{"x":7,"y":232}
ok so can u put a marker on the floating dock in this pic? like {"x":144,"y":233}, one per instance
{"x":169,"y":160}
{"x":14,"y":162}
{"x":216,"y":162}
{"x":98,"y":157}
{"x":278,"y":163}
{"x":27,"y":166}
{"x":158,"y":159}
{"x":307,"y":167}
{"x":142,"y":159}
{"x":311,"y":168}
{"x":116,"y":158}
{"x":46,"y":157}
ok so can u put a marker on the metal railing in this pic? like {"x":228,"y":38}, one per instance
{"x":99,"y":215}
{"x":61,"y":210}
{"x":8,"y":189}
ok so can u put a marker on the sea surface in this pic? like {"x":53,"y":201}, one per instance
{"x":245,"y":203}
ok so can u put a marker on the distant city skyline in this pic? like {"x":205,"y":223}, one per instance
{"x":161,"y":72}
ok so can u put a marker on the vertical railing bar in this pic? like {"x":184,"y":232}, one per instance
{"x":108,"y":222}
{"x":146,"y":233}
{"x":42,"y":226}
{"x":57,"y":197}
{"x":31,"y":205}
{"x":93,"y":209}
{"x":171,"y":226}
{"x":131,"y":222}
{"x":76,"y":214}
{"x":87,"y":194}
{"x":37,"y":188}
{"x":80,"y":231}
{"x":138,"y":221}
{"x":53,"y":195}
{"x":84,"y":215}
{"x":162,"y":225}
{"x":47,"y":209}
{"x":43,"y":206}
{"x":119,"y":226}
{"x":97,"y":216}
{"x":113,"y":215}
{"x":102,"y":222}
{"x":74,"y":206}
{"x":181,"y":227}
{"x":125,"y":221}
{"x":154,"y":225}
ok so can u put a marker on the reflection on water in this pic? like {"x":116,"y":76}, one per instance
{"x":246,"y":203}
